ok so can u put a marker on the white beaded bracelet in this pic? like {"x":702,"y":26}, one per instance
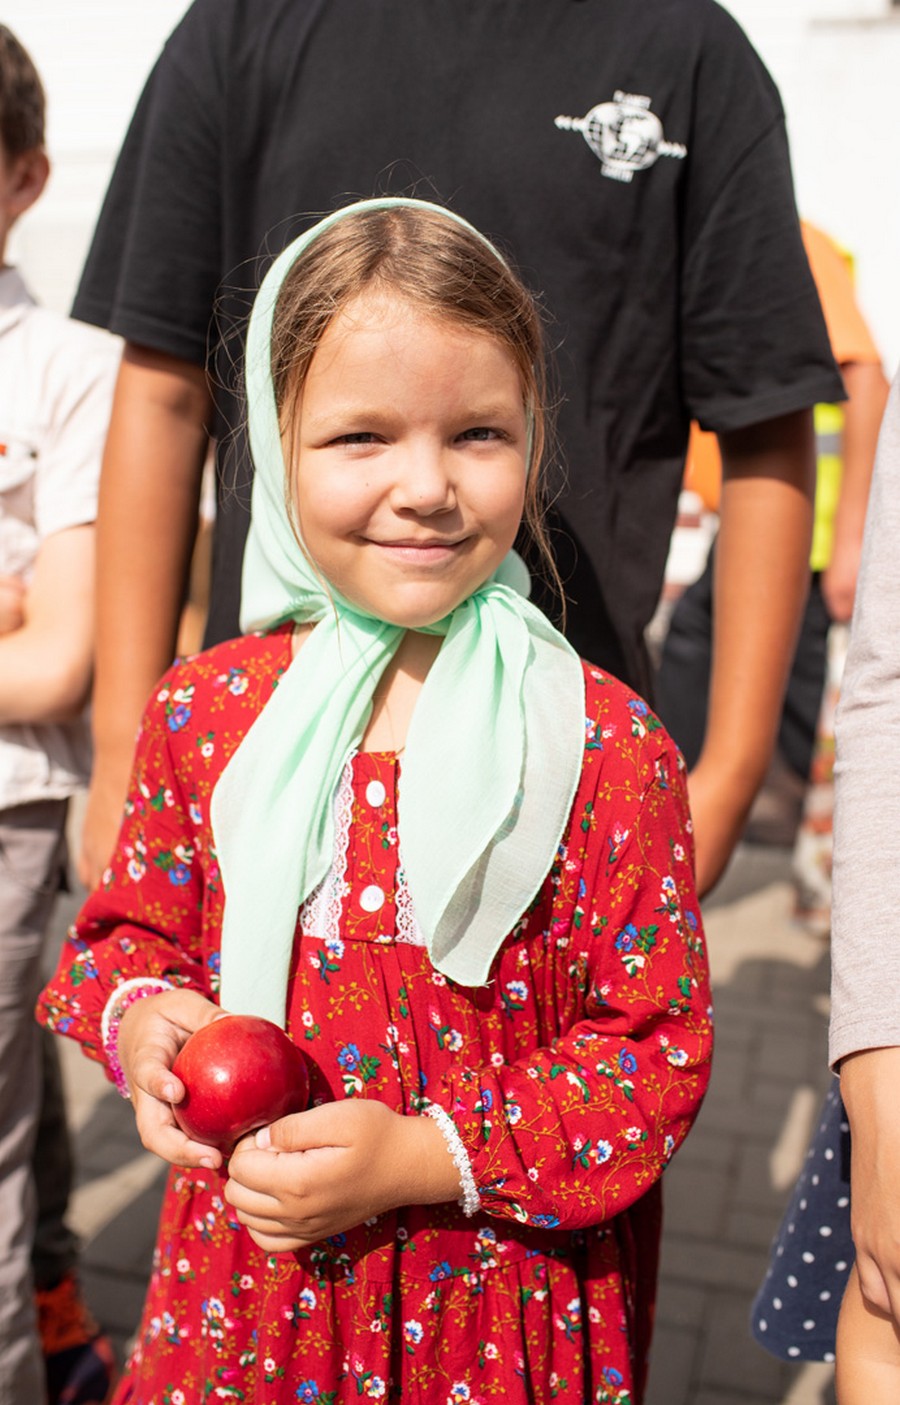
{"x":470,"y":1200}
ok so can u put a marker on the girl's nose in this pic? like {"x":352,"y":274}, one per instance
{"x":423,"y":483}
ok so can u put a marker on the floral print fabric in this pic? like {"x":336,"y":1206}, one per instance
{"x":572,"y":1077}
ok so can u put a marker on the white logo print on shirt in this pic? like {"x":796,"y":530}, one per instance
{"x":624,"y":134}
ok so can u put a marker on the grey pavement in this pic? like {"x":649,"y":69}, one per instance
{"x":724,"y":1193}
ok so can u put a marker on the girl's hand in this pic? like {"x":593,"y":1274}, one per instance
{"x":323,"y":1171}
{"x":151,"y":1033}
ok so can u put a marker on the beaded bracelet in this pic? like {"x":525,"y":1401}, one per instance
{"x":123,"y":996}
{"x":470,"y":1200}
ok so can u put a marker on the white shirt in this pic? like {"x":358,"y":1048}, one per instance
{"x":56,"y":383}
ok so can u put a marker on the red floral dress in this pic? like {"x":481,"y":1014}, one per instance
{"x":572,"y":1076}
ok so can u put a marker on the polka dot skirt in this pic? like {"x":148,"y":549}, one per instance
{"x":795,"y":1312}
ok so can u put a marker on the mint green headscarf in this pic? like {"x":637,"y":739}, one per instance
{"x":492,"y":758}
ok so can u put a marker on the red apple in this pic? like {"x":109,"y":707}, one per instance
{"x":239,"y":1072}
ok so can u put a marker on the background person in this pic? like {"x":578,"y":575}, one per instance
{"x":56,"y":381}
{"x":846,"y":438}
{"x":632,"y":160}
{"x":864,"y":1043}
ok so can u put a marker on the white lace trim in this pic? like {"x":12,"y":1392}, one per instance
{"x":408,"y":929}
{"x":320,"y":915}
{"x":470,"y":1199}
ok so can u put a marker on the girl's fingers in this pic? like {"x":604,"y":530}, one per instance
{"x":258,"y":1203}
{"x":161,"y":1134}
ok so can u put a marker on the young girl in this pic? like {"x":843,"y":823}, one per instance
{"x":497,"y":973}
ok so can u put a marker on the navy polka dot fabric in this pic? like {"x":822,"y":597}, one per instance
{"x":795,"y":1312}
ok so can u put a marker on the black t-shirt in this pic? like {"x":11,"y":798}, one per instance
{"x":630,"y":156}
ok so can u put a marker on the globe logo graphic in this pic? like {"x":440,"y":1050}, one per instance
{"x":624,"y":134}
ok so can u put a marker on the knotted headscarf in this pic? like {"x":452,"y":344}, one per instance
{"x":492,"y":756}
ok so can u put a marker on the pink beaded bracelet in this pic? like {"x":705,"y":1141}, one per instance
{"x":123,"y":996}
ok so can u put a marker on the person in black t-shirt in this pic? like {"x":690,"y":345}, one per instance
{"x":632,"y":161}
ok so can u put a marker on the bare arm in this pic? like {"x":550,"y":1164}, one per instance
{"x":12,"y":604}
{"x":45,"y":664}
{"x":147,"y":521}
{"x":867,"y":392}
{"x":762,"y":576}
{"x":864,"y":1041}
{"x":869,"y":1081}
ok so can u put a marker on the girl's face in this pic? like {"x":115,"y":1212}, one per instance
{"x":408,"y":463}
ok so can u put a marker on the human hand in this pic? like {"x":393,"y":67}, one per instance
{"x":101,"y":821}
{"x":151,"y":1034}
{"x":840,"y":576}
{"x":869,"y":1082}
{"x":326,"y":1170}
{"x":12,"y":604}
{"x":719,"y":809}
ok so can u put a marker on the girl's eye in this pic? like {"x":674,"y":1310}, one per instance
{"x":482,"y":432}
{"x":363,"y":437}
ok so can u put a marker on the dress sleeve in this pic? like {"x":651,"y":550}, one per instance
{"x":145,"y":918}
{"x":580,"y":1129}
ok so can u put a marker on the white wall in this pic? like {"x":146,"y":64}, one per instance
{"x":93,"y":57}
{"x":836,"y":62}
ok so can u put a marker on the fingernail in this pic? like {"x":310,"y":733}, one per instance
{"x":168,"y":1091}
{"x":207,"y":1162}
{"x":264,"y":1139}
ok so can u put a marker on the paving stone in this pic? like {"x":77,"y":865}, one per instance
{"x":704,"y":1148}
{"x":787,"y":1056}
{"x":737,"y":1119}
{"x":695,"y":1201}
{"x":732,"y":1397}
{"x":776,"y":1095}
{"x":703,"y":1264}
{"x":731,"y":1075}
{"x":731,"y":1357}
{"x":673,"y":1367}
{"x":681,"y":1306}
{"x":753,"y":1186}
{"x":752,"y":1229}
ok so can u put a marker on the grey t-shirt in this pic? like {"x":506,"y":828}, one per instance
{"x":865,"y":929}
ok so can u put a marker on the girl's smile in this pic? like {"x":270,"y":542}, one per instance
{"x":409,"y":461}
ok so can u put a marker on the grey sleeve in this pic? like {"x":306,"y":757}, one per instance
{"x":865,"y":1011}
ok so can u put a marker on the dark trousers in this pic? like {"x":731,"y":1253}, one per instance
{"x":682,"y":691}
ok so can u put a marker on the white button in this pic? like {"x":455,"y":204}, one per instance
{"x":375,"y":794}
{"x":371,"y":898}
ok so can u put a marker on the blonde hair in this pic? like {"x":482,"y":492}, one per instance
{"x":451,"y":273}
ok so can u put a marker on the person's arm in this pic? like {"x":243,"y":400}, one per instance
{"x":761,"y":581}
{"x":45,"y":664}
{"x":12,"y":604}
{"x":864,"y":1036}
{"x":867,"y":392}
{"x":146,"y":525}
{"x":869,"y":1082}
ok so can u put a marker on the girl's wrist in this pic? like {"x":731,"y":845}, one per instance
{"x":453,"y":1151}
{"x":122,"y":998}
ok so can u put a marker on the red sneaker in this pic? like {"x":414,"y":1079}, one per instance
{"x":79,"y":1360}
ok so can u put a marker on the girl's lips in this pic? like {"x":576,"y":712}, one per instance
{"x":426,"y":551}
